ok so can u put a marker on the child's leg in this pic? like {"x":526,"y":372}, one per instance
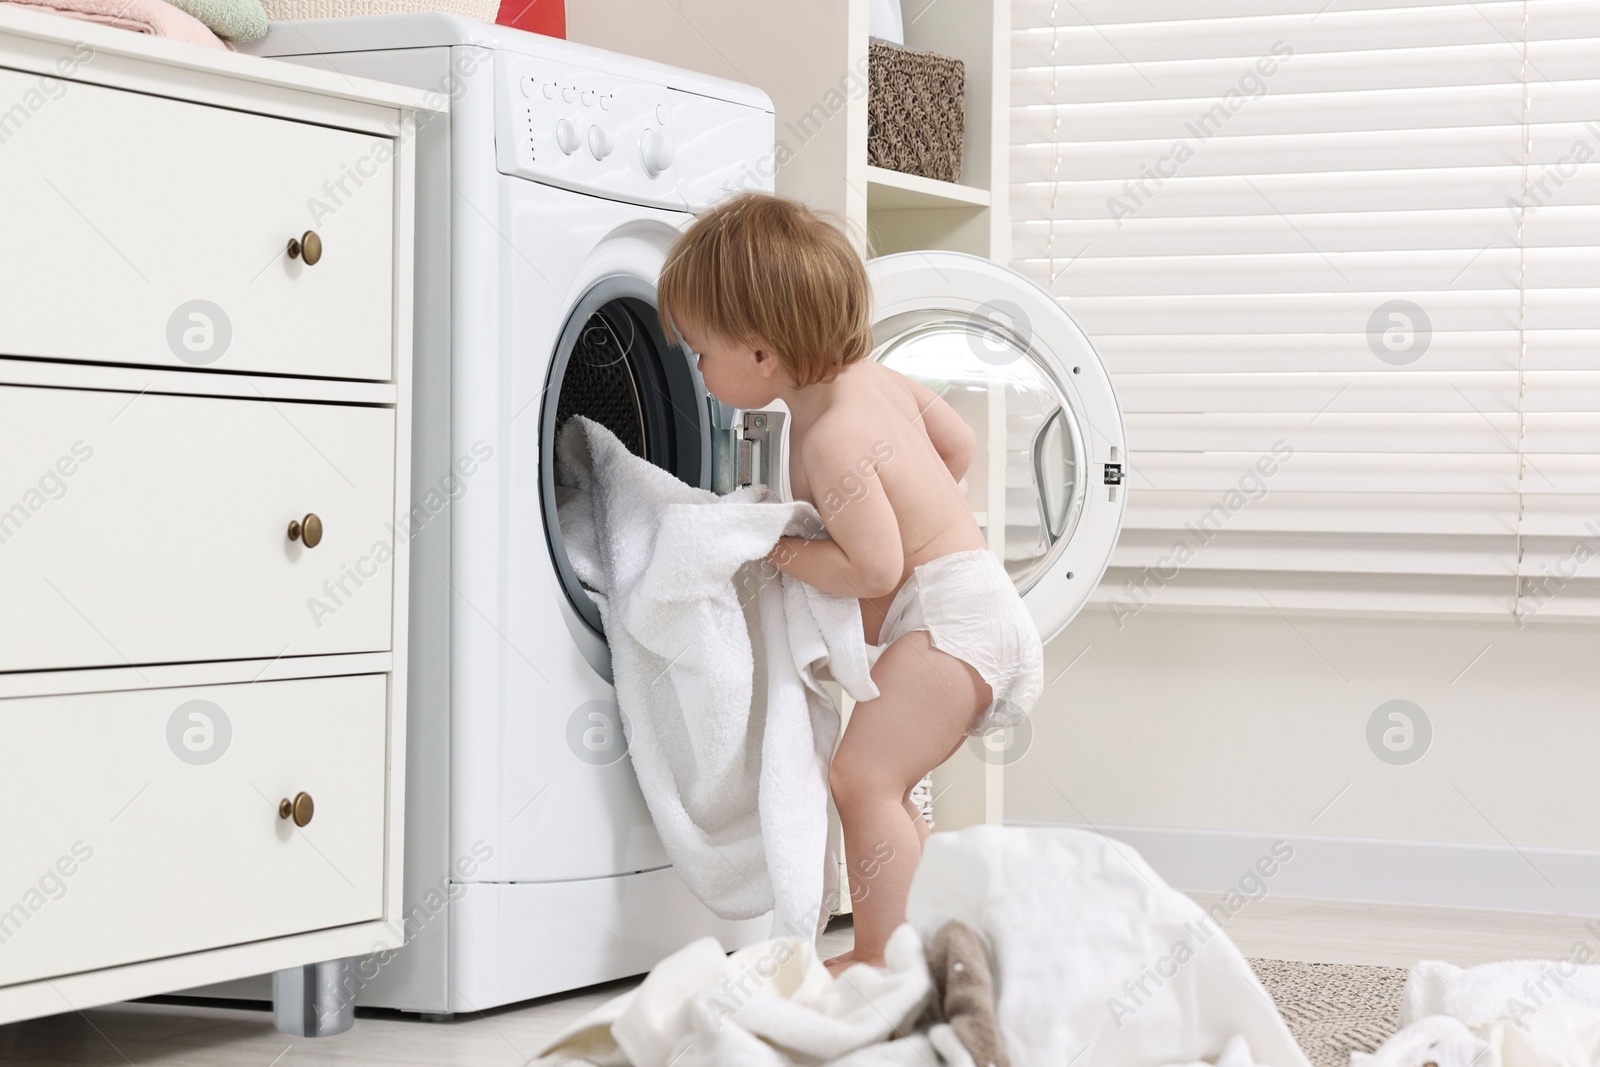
{"x":917,"y":822}
{"x":927,"y":700}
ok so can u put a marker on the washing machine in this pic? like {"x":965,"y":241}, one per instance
{"x":547,"y":198}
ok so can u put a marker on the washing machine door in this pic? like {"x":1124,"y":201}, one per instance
{"x":612,"y":364}
{"x":1046,"y":476}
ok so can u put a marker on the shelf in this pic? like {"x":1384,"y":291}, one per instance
{"x":890,"y":190}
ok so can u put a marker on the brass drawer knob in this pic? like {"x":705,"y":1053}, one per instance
{"x":300,"y":809}
{"x":307,"y":530}
{"x":307,"y":247}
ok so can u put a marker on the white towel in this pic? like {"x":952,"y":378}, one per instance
{"x":1437,"y":1039}
{"x":1513,"y":1013}
{"x":716,"y":666}
{"x":1099,"y":962}
{"x":1069,"y":916}
{"x":1561,"y":1034}
{"x":1492,"y":990}
{"x":768,"y":1005}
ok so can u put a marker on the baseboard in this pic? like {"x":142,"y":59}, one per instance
{"x":1416,"y":873}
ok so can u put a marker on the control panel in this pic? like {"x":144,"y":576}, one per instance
{"x":598,"y":133}
{"x":585,"y":130}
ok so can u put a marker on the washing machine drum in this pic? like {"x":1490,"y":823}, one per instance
{"x":612,"y":364}
{"x":602,"y":378}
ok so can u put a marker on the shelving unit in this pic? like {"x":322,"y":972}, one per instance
{"x":811,"y":59}
{"x":890,"y":190}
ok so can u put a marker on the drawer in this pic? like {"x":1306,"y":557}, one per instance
{"x":145,"y":824}
{"x":141,"y":529}
{"x":139,"y":229}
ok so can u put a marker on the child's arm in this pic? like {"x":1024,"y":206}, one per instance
{"x":864,"y":557}
{"x":952,"y":438}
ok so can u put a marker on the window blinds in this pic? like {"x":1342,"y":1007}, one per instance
{"x":1341,"y":259}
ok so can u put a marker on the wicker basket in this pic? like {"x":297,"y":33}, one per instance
{"x":294,"y":10}
{"x":915,"y":120}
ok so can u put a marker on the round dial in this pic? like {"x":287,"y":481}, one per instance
{"x":655,"y":151}
{"x":567,"y":136}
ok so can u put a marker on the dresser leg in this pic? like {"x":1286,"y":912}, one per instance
{"x":317,"y":1000}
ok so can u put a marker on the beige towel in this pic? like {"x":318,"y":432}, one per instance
{"x":964,"y":982}
{"x":155,"y":17}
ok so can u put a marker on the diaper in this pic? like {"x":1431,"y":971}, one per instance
{"x":972,"y":611}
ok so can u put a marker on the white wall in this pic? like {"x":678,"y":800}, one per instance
{"x":1255,"y":723}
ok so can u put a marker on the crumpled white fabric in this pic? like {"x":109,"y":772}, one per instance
{"x":716,"y":660}
{"x":1513,"y":1013}
{"x":1559,"y":1034}
{"x":1069,"y":916}
{"x":772,"y":1004}
{"x":1236,"y":1053}
{"x":1491,"y":990}
{"x":1099,"y":963}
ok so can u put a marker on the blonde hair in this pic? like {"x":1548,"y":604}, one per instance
{"x":768,"y":272}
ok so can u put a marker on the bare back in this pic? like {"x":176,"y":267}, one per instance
{"x":915,"y":446}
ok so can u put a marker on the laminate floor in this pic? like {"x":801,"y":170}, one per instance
{"x":217,"y":1034}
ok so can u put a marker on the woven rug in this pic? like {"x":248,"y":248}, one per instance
{"x":1333,"y":1009}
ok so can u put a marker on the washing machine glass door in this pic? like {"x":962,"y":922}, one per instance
{"x":1045,"y":479}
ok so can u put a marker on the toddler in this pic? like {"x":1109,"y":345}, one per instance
{"x":774,"y":302}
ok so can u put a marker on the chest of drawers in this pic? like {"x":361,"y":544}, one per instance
{"x":205,"y":373}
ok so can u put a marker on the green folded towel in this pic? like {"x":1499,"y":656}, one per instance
{"x":232,"y":20}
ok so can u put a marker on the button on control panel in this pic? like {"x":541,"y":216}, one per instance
{"x":655,"y":152}
{"x":566,"y":137}
{"x":585,"y":130}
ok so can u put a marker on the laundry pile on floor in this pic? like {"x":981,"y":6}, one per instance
{"x":1519,"y":1013}
{"x":717,"y":663}
{"x":210,"y":23}
{"x":1095,"y":962}
{"x":775,"y":1002}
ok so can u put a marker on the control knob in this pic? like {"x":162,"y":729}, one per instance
{"x":567,"y":136}
{"x":655,"y":152}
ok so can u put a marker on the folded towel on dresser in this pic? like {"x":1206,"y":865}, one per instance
{"x":155,"y":17}
{"x":716,"y":668}
{"x":232,"y":20}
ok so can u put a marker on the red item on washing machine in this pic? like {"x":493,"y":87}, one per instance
{"x":548,"y":17}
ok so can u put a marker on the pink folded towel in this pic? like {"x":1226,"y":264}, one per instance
{"x":155,"y":17}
